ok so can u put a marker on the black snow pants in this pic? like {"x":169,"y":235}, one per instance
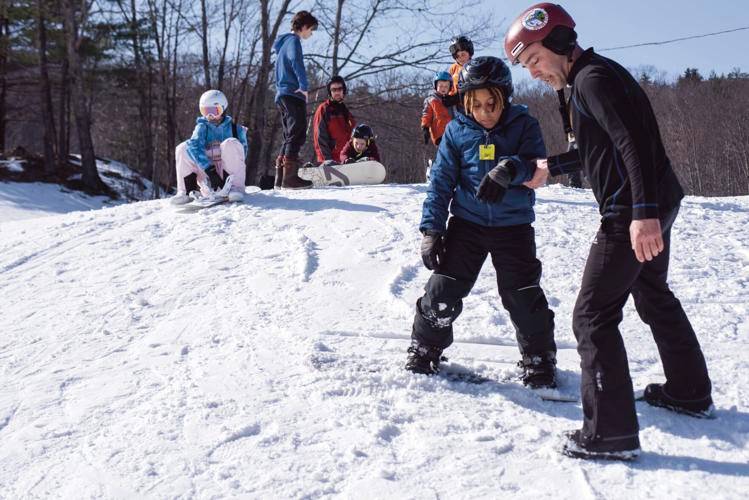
{"x":513,"y":253}
{"x":611,"y":273}
{"x":294,"y":121}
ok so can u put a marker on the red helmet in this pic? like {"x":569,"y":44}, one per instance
{"x":535,"y":24}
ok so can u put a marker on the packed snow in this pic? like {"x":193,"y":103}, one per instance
{"x":256,"y":351}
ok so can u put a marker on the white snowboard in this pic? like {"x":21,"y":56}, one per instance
{"x":350,"y":174}
{"x":217,"y":198}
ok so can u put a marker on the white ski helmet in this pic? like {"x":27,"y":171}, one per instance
{"x":213,"y":103}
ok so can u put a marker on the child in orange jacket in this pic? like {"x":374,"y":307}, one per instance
{"x":438,"y":109}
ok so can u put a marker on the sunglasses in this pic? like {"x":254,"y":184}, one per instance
{"x":211,"y":112}
{"x":336,"y":89}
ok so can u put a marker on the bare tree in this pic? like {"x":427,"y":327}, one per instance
{"x":45,"y":90}
{"x":4,"y":48}
{"x":354,"y":25}
{"x":81,"y":108}
{"x":257,"y":107}
{"x":204,"y":43}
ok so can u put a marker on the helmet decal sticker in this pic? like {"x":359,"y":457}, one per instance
{"x":535,"y":19}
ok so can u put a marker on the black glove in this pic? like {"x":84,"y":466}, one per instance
{"x":495,"y":183}
{"x":425,"y":131}
{"x":432,"y":249}
{"x":214,"y":180}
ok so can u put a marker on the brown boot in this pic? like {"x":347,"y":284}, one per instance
{"x":279,"y":172}
{"x":291,"y":179}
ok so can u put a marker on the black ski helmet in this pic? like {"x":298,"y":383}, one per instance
{"x":362,"y":131}
{"x":459,"y":43}
{"x":337,"y":79}
{"x":486,"y":71}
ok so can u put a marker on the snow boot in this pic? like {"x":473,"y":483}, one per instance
{"x":539,"y":370}
{"x":655,"y":395}
{"x":423,"y":359}
{"x":181,"y":198}
{"x":291,"y":179}
{"x":578,"y":446}
{"x":236,"y":193}
{"x":279,"y":172}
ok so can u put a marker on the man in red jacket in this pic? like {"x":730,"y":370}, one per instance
{"x":333,"y":122}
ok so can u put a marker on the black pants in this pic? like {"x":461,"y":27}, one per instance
{"x":294,"y":122}
{"x":513,"y":252}
{"x":611,"y":273}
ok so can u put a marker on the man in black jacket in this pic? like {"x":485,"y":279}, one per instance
{"x":621,"y":152}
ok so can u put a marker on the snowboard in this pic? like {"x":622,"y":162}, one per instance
{"x":349,"y":174}
{"x":218,"y":198}
{"x":461,"y":374}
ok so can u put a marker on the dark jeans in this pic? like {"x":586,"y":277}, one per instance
{"x":611,"y":273}
{"x":294,"y":122}
{"x":513,"y":253}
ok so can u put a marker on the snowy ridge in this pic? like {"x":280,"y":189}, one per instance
{"x":256,"y":351}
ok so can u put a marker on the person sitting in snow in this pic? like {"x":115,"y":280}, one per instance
{"x":438,"y":109}
{"x":482,"y":175}
{"x":361,"y":146}
{"x":216,"y":150}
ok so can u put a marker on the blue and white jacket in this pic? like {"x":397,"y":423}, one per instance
{"x":206,"y":133}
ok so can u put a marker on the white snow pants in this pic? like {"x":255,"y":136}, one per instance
{"x":228,"y":157}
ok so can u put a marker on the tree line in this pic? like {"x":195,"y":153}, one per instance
{"x":121,"y":79}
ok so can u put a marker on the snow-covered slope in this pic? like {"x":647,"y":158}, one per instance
{"x":256,"y":351}
{"x":22,"y":200}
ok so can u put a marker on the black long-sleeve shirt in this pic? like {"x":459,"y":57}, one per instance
{"x":619,"y":141}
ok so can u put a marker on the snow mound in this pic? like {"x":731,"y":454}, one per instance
{"x":256,"y":351}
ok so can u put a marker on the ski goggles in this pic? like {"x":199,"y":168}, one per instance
{"x":211,"y":112}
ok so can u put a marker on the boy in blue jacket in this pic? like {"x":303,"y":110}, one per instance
{"x":216,"y":150}
{"x":482,"y":172}
{"x":291,"y":99}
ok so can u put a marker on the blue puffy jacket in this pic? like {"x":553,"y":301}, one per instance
{"x":205,"y":133}
{"x":290,"y":73}
{"x":457,"y":171}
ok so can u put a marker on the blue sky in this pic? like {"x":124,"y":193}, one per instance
{"x":604,"y":24}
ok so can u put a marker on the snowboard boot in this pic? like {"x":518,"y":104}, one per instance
{"x":236,"y":194}
{"x":577,"y":445}
{"x":539,"y":370}
{"x":180,"y":198}
{"x":655,"y":395}
{"x":279,"y":172}
{"x":423,"y":359}
{"x":291,"y":179}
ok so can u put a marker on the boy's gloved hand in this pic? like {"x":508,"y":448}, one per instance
{"x":425,"y":133}
{"x":363,"y":158}
{"x":432,"y":249}
{"x":495,"y":183}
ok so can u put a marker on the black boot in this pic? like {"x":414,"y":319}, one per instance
{"x":423,"y":359}
{"x":579,"y":446}
{"x":655,"y":395}
{"x":539,"y":370}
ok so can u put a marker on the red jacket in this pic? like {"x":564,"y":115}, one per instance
{"x":331,"y":129}
{"x":349,"y":154}
{"x":436,"y":115}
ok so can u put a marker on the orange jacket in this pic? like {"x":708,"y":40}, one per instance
{"x":455,"y":70}
{"x":436,"y":115}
